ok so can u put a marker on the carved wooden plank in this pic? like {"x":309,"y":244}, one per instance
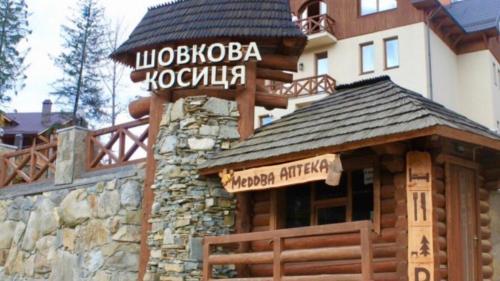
{"x":420,"y":217}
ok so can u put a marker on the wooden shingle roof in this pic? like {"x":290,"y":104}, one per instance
{"x":188,"y":20}
{"x":366,"y":110}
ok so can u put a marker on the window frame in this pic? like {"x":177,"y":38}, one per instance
{"x":278,"y":200}
{"x":362,"y":57}
{"x":262,"y":117}
{"x":317,"y":57}
{"x":386,"y":40}
{"x":360,"y":9}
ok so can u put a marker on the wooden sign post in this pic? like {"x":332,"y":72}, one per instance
{"x":420,"y":217}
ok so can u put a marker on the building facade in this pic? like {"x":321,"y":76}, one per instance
{"x":448,"y":52}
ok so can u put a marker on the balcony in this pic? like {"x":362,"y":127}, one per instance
{"x":328,"y":252}
{"x":323,"y":84}
{"x":319,"y":29}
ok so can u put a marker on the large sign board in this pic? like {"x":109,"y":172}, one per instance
{"x":197,"y":65}
{"x":325,"y":167}
{"x":420,"y":217}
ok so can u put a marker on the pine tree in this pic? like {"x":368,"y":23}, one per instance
{"x":424,"y":250}
{"x":84,"y":55}
{"x":13,"y":29}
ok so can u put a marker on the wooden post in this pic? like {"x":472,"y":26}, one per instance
{"x":207,"y":267}
{"x":366,"y":253}
{"x":156,"y":111}
{"x":246,"y":107}
{"x":277,"y":264}
{"x":246,"y":102}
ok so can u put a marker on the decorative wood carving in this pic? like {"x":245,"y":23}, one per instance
{"x":420,"y":217}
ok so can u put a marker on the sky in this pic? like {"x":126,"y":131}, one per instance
{"x":45,"y":42}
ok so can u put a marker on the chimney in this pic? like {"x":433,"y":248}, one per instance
{"x":46,"y":111}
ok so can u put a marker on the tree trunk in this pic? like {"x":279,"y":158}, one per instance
{"x":82,"y":64}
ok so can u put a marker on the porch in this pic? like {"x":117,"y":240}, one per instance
{"x":341,"y":251}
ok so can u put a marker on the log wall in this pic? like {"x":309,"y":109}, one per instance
{"x":485,"y":230}
{"x":389,"y":246}
{"x":440,"y":231}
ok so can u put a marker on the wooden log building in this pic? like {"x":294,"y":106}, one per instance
{"x":410,"y":202}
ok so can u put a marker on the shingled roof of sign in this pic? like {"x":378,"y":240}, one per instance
{"x":360,"y":111}
{"x":202,"y":19}
{"x":475,"y":15}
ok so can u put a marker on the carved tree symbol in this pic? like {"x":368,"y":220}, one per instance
{"x":425,"y":250}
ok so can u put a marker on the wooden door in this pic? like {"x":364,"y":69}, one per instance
{"x":463,"y":247}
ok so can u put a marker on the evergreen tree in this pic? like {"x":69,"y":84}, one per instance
{"x":84,"y":55}
{"x":13,"y":29}
{"x":425,"y":249}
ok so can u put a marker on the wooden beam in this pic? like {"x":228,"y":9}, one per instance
{"x":140,"y":108}
{"x":157,"y":105}
{"x":246,"y":102}
{"x":274,"y":75}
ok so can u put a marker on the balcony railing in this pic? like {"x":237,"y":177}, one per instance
{"x":29,"y":165}
{"x":304,"y":87}
{"x":317,"y":24}
{"x":328,"y":252}
{"x":117,"y":146}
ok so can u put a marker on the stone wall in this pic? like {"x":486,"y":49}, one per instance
{"x":187,"y":206}
{"x":76,"y":232}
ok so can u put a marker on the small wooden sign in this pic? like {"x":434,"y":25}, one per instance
{"x":303,"y":171}
{"x":420,"y":217}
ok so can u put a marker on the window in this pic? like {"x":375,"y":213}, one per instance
{"x":367,"y":58}
{"x":374,"y":6}
{"x":321,"y":64}
{"x":498,"y":75}
{"x":391,"y":53}
{"x":265,"y":120}
{"x":318,"y":203}
{"x":495,"y":76}
{"x":313,"y":9}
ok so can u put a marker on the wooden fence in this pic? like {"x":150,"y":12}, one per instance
{"x":29,"y":165}
{"x":304,"y":87}
{"x":317,"y":24}
{"x":117,"y":146}
{"x":327,"y":252}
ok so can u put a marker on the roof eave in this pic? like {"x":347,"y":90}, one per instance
{"x":439,"y":130}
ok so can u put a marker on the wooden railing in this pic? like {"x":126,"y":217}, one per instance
{"x":328,"y":252}
{"x":317,"y":24}
{"x":304,"y":87}
{"x":28,"y":165}
{"x":117,"y":146}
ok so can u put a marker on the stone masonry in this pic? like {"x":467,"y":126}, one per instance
{"x":187,"y":207}
{"x":89,"y":233}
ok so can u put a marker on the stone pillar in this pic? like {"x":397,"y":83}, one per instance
{"x":71,"y":154}
{"x":188,"y":207}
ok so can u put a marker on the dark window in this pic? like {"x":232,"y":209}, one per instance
{"x":362,"y":196}
{"x":298,"y":206}
{"x":318,"y":203}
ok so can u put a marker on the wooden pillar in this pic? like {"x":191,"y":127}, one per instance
{"x":246,"y":107}
{"x":246,"y":102}
{"x":157,"y":107}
